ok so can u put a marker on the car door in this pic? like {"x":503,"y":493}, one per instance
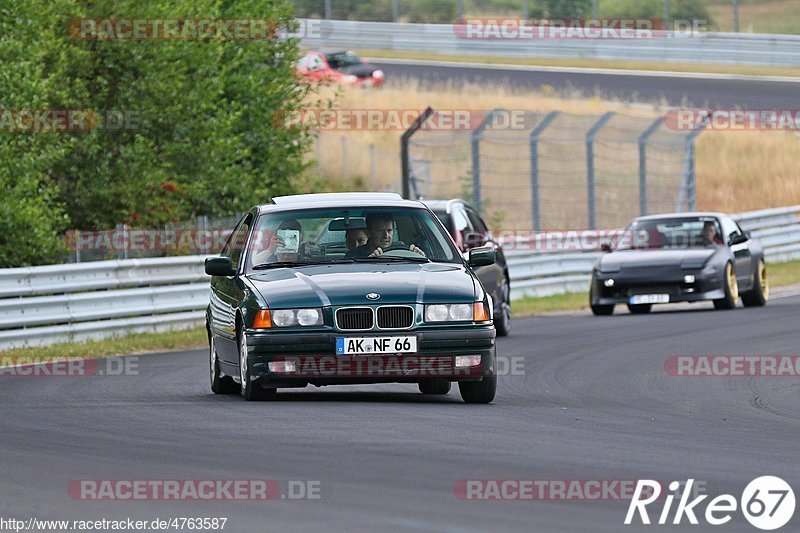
{"x":227,"y":293}
{"x":743,"y":258}
{"x":491,"y":275}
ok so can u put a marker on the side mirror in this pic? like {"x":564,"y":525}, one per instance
{"x":473,"y":239}
{"x":219,"y":266}
{"x":738,"y":239}
{"x":482,"y":257}
{"x":606,"y":246}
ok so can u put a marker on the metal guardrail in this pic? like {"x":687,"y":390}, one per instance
{"x":77,"y":302}
{"x":538,"y":274}
{"x":705,"y":47}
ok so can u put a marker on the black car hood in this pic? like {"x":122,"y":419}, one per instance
{"x":656,"y":258}
{"x":362,"y":70}
{"x":322,"y":285}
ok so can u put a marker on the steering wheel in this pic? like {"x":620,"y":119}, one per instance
{"x":400,"y":250}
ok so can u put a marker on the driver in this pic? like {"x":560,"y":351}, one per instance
{"x":710,"y":235}
{"x":380,"y":231}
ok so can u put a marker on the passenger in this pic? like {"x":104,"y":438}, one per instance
{"x":356,"y":237}
{"x":270,"y":255}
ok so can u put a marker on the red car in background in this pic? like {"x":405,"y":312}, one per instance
{"x":344,"y":68}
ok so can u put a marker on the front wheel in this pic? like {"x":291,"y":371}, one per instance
{"x":251,"y":390}
{"x":731,"y":290}
{"x":478,"y":391}
{"x":758,"y":296}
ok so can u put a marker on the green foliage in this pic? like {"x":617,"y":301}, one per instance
{"x":201,"y":137}
{"x":679,"y":9}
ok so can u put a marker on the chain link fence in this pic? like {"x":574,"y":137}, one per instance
{"x":557,"y":170}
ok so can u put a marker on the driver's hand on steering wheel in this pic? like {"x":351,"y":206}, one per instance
{"x":416,"y":249}
{"x":376,"y":252}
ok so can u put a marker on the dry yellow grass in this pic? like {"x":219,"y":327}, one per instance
{"x":736,"y":171}
{"x":764,"y":16}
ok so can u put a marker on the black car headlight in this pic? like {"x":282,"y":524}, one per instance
{"x":284,"y":318}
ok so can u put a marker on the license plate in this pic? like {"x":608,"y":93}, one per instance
{"x":375,"y":345}
{"x":650,"y":299}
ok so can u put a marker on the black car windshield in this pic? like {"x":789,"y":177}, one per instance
{"x":672,"y":233}
{"x":348,"y":235}
{"x":343,"y":59}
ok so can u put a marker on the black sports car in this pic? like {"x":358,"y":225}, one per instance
{"x":680,"y":257}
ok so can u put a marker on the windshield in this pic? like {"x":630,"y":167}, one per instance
{"x":348,"y":235}
{"x":673,"y":233}
{"x":343,"y":59}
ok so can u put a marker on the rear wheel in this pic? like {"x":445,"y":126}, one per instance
{"x":219,"y":384}
{"x":758,"y":296}
{"x":502,"y":322}
{"x":731,"y":290}
{"x":478,"y":391}
{"x":250,"y":390}
{"x":639,"y":309}
{"x":434,"y":386}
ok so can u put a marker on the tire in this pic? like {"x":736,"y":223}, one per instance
{"x":639,"y":309}
{"x":478,"y":391}
{"x":219,"y":384}
{"x":731,"y":290}
{"x":502,"y":323}
{"x":603,"y":310}
{"x":434,"y":386}
{"x":760,"y":294}
{"x":251,"y":391}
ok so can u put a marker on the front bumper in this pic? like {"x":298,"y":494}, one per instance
{"x":707,"y":286}
{"x":313,"y":360}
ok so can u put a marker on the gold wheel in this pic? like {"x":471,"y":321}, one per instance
{"x":733,"y":287}
{"x":762,"y":270}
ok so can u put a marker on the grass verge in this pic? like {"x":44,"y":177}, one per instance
{"x":661,"y":66}
{"x":132,"y":344}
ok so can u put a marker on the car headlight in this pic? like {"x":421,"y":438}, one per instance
{"x":283,"y":318}
{"x":456,"y":312}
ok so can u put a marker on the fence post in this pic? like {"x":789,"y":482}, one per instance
{"x":395,"y":11}
{"x":476,"y":158}
{"x":534,"y":143}
{"x":405,"y":162}
{"x":643,"y":164}
{"x":318,"y":149}
{"x":328,"y":10}
{"x":590,"y":166}
{"x":688,"y":189}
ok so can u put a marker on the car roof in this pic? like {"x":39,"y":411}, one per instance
{"x":684,"y":214}
{"x":337,"y":199}
{"x":442,"y":205}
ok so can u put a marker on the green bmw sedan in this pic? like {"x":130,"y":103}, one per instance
{"x":348,"y":288}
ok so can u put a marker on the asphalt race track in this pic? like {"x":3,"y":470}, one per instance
{"x":718,"y":92}
{"x":594,"y":403}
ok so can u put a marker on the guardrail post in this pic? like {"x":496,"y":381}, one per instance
{"x":590,"y":166}
{"x":405,"y":162}
{"x":643,"y":164}
{"x":534,"y":143}
{"x":476,"y":158}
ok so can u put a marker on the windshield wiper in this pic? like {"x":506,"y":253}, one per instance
{"x":420,"y":259}
{"x":283,"y":264}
